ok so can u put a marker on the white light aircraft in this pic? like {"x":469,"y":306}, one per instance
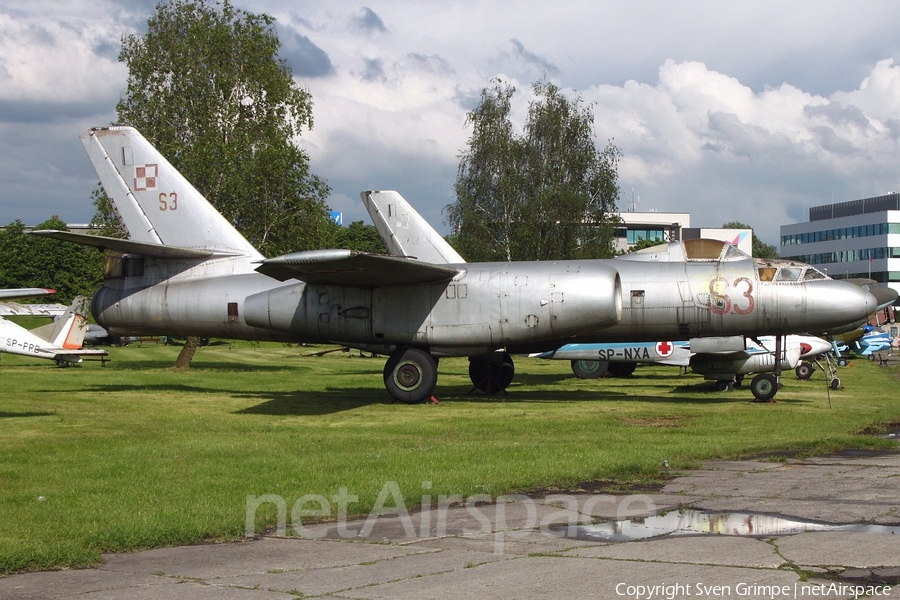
{"x":60,"y":341}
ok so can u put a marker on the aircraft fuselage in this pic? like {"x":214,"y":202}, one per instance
{"x":519,"y":306}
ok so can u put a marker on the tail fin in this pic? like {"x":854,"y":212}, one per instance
{"x":404,"y":231}
{"x":155,"y":203}
{"x":69,"y":328}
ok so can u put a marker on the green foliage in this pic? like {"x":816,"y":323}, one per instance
{"x":645,"y":243}
{"x":358,"y":236}
{"x":546,"y":194}
{"x":207,"y":88}
{"x":31,"y":261}
{"x":760,"y":248}
{"x":105,"y":222}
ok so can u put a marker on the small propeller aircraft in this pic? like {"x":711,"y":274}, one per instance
{"x":187,"y":271}
{"x":726,"y":368}
{"x":60,"y":341}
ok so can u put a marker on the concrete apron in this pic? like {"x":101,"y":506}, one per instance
{"x":754,"y":530}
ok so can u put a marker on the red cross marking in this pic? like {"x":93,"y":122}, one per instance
{"x":664,"y":348}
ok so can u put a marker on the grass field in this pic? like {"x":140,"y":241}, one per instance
{"x":137,"y":455}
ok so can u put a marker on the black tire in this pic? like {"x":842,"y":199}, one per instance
{"x":492,"y":374}
{"x":804,"y":371}
{"x":621,"y":369}
{"x":590,"y":369}
{"x":410,"y":375}
{"x":836,"y":384}
{"x":842,"y":362}
{"x":764,"y":387}
{"x":725,"y":385}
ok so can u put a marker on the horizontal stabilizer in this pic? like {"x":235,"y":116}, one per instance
{"x":73,"y":351}
{"x":349,"y":267}
{"x":14,"y":309}
{"x":128,"y":246}
{"x":25,"y":293}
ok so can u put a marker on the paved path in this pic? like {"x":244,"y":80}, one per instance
{"x":803,"y":515}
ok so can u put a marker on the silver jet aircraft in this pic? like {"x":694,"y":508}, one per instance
{"x":187,"y":271}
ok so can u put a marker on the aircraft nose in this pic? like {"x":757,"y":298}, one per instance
{"x":871,"y":303}
{"x":836,"y":304}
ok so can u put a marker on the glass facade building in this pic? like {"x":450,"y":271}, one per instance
{"x":860,"y":238}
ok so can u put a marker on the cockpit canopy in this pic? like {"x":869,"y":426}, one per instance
{"x":695,"y":250}
{"x":775,"y":270}
{"x":786,"y":271}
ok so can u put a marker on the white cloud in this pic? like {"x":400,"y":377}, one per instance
{"x":751,"y":112}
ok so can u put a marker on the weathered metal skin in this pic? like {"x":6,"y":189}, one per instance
{"x":485,"y":307}
{"x":168,"y":300}
{"x":480,"y":310}
{"x":680,"y":300}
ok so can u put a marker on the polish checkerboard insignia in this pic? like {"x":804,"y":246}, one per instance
{"x":145,"y":177}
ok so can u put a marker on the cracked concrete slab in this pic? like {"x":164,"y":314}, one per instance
{"x":718,"y":550}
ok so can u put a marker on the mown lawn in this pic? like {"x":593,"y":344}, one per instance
{"x":137,"y":455}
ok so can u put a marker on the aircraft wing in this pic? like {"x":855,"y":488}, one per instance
{"x":14,"y":309}
{"x":349,"y":267}
{"x":10,"y":294}
{"x":129,"y":246}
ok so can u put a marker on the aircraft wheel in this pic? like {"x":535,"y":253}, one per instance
{"x":725,"y":385}
{"x":620,"y":369}
{"x":871,"y":357}
{"x":804,"y":371}
{"x":842,"y":362}
{"x":835,"y":384}
{"x":410,"y":375}
{"x":492,"y":374}
{"x":590,"y":369}
{"x":764,"y":387}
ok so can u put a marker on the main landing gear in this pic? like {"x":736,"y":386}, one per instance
{"x":491,"y":373}
{"x":592,"y":369}
{"x":410,"y":374}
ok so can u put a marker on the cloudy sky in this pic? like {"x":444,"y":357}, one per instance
{"x":749,"y":111}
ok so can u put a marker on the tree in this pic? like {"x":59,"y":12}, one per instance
{"x":544,"y":195}
{"x":760,"y":248}
{"x":358,"y":236}
{"x":207,"y":88}
{"x":31,"y":261}
{"x":645,"y":243}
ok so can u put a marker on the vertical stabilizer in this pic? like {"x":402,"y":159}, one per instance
{"x":155,"y":203}
{"x":67,"y":331}
{"x":404,"y":231}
